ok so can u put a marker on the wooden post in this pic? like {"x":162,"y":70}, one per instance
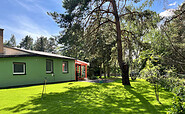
{"x":75,"y":71}
{"x":85,"y":71}
{"x":80,"y":70}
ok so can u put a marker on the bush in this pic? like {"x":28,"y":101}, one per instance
{"x":178,"y":101}
{"x":178,"y":106}
{"x":134,"y":75}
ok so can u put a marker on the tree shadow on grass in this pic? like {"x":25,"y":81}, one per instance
{"x":146,"y":95}
{"x":96,"y":98}
{"x":150,"y":108}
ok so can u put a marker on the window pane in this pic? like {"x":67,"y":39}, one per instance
{"x":49,"y":65}
{"x":18,"y":68}
{"x":65,"y":66}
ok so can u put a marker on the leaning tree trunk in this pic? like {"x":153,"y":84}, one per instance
{"x":124,"y":67}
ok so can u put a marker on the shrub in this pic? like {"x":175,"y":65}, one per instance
{"x":178,"y":106}
{"x":134,"y":75}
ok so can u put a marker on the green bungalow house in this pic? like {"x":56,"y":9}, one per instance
{"x":20,"y":67}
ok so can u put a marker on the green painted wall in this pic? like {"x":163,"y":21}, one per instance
{"x":35,"y":71}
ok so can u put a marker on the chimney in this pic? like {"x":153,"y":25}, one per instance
{"x":1,"y":41}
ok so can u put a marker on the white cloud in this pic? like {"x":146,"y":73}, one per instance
{"x":173,"y":4}
{"x":167,"y":13}
{"x":32,"y":6}
{"x":26,"y":6}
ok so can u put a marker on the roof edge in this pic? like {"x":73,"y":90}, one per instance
{"x":38,"y":53}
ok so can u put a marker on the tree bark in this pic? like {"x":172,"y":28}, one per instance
{"x":157,"y":92}
{"x":100,"y":71}
{"x":104,"y":70}
{"x":123,"y":66}
{"x":108,"y":70}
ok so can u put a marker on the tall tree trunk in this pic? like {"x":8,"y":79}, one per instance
{"x":123,"y":66}
{"x":108,"y":70}
{"x":100,"y":70}
{"x":104,"y":70}
{"x":130,"y":56}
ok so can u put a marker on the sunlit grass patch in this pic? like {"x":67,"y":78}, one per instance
{"x":85,"y":97}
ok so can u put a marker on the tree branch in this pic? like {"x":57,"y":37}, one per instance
{"x":90,"y":14}
{"x":174,"y":17}
{"x":110,"y":20}
{"x":135,"y":12}
{"x":173,"y":46}
{"x":129,"y":32}
{"x":106,"y":11}
{"x":98,"y":27}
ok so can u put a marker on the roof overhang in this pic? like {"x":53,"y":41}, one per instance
{"x":35,"y":53}
{"x":79,"y":62}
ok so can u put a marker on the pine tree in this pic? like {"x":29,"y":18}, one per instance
{"x":41,"y":44}
{"x":11,"y":42}
{"x":27,"y":43}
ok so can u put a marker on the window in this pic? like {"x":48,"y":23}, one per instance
{"x":19,"y":68}
{"x":49,"y":66}
{"x":65,"y":67}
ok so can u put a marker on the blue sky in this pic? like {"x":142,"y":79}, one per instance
{"x":29,"y":17}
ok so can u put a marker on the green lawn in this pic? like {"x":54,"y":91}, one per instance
{"x":85,"y":97}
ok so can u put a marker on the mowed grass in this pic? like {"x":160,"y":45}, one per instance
{"x":85,"y":98}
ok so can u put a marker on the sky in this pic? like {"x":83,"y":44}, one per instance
{"x":29,"y":17}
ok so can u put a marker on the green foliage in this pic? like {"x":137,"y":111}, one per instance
{"x":74,"y":10}
{"x":41,"y":44}
{"x":166,"y":77}
{"x":169,"y":43}
{"x":46,"y":45}
{"x":158,"y":43}
{"x":153,"y":72}
{"x":72,"y":42}
{"x":27,"y":43}
{"x":11,"y":42}
{"x":102,"y":29}
{"x":134,"y":75}
{"x":178,"y":106}
{"x":173,"y":31}
{"x":136,"y":27}
{"x":51,"y":46}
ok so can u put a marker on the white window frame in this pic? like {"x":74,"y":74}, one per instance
{"x":48,"y":72}
{"x":24,"y":68}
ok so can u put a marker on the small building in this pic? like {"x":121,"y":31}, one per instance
{"x":19,"y":67}
{"x":81,"y":69}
